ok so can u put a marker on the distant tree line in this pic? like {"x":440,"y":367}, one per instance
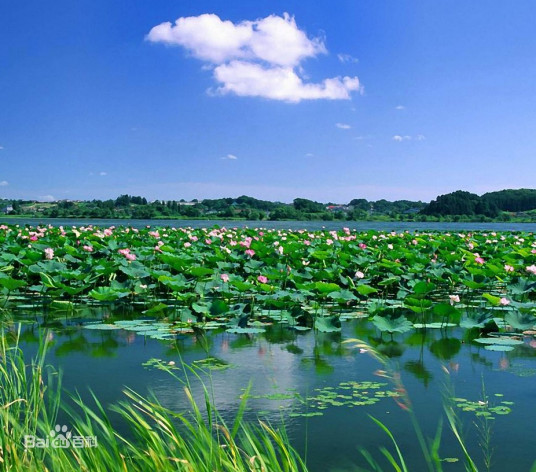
{"x":455,"y":206}
{"x":490,"y":204}
{"x":523,"y":199}
{"x":461,"y":203}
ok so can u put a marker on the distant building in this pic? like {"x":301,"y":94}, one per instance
{"x":337,"y":208}
{"x":7,"y":210}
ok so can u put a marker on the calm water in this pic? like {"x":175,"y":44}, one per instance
{"x":309,"y":225}
{"x":283,"y":361}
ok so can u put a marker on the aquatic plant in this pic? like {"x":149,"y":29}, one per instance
{"x":195,"y":278}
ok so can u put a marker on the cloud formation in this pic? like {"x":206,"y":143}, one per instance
{"x":400,"y":138}
{"x":344,"y":58}
{"x":232,"y":157}
{"x":4,"y":183}
{"x":260,"y":58}
{"x":342,"y":126}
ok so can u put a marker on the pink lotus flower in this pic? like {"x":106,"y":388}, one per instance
{"x":504,"y":301}
{"x":359,"y":275}
{"x":187,"y":244}
{"x":479,"y":260}
{"x":454,"y":299}
{"x":250,"y":252}
{"x":262,"y":279}
{"x":508,"y":268}
{"x":49,"y":253}
{"x":362,"y":246}
{"x":224,"y":278}
{"x":532,"y":269}
{"x":130,"y":256}
{"x":88,"y":248}
{"x":124,"y":252}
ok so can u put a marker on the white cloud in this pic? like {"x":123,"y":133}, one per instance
{"x":347,"y":58}
{"x":309,"y":154}
{"x":342,"y":126}
{"x":248,"y":79}
{"x":400,"y":107}
{"x":259,"y":58}
{"x":273,"y":39}
{"x":400,"y":138}
{"x":231,"y":157}
{"x":4,"y":183}
{"x":103,"y":173}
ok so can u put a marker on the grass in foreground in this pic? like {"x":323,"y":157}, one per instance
{"x":158,"y":439}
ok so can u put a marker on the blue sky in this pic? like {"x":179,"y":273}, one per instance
{"x":282,"y":99}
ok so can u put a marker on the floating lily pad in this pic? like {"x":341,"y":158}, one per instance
{"x":212,"y":363}
{"x":246,"y":330}
{"x":499,"y":341}
{"x":434,"y":325}
{"x":102,"y":326}
{"x":498,"y":347}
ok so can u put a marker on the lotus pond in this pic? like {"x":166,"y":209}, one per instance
{"x":443,"y":319}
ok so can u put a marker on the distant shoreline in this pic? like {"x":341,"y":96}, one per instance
{"x":372,"y":220}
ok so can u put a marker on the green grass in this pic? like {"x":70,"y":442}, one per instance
{"x":158,"y":438}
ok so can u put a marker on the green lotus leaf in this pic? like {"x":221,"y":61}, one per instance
{"x":328,"y":324}
{"x":499,"y":341}
{"x":392,"y":325}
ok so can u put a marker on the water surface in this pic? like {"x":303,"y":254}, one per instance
{"x":286,"y":367}
{"x":295,"y":225}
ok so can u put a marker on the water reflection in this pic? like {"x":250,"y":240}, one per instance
{"x":284,"y":365}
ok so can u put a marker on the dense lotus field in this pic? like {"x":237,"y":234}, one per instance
{"x":241,"y":279}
